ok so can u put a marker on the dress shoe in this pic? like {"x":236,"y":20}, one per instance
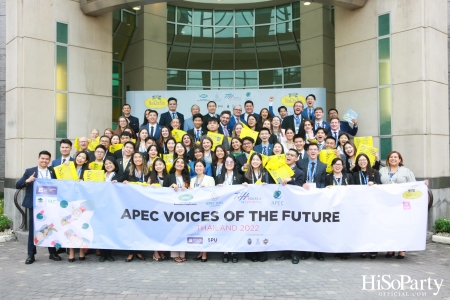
{"x":110,"y":258}
{"x":295,"y":259}
{"x":204,"y":260}
{"x":81,"y":258}
{"x":318,"y":256}
{"x":71,"y":259}
{"x":198,"y":258}
{"x":30,"y":259}
{"x":400,"y":256}
{"x":282,"y":257}
{"x":142,"y":257}
{"x":61,"y":250}
{"x":225,"y":258}
{"x":102,"y":258}
{"x":389,"y":255}
{"x":234,"y":258}
{"x":254,"y":259}
{"x":54,"y":257}
{"x":305,"y":255}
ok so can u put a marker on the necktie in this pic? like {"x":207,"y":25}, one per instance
{"x":197,"y":136}
{"x":151,"y":131}
{"x":317,"y":126}
{"x":225,"y":131}
{"x":300,"y":155}
{"x":310,"y":113}
{"x":335,"y":135}
{"x":63,"y":160}
{"x":174,"y":115}
{"x":312,"y":171}
{"x":264,"y":150}
{"x":297,"y":120}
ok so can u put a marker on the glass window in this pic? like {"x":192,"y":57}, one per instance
{"x":290,"y":55}
{"x":176,"y":77}
{"x":265,"y":36}
{"x":384,"y":25}
{"x":199,"y":78}
{"x":61,"y":115}
{"x":200,"y":58}
{"x":117,"y":18}
{"x":244,"y":37}
{"x":62,"y":33}
{"x":296,"y":28}
{"x":223,"y":18}
{"x":61,"y":68}
{"x":203,"y":17}
{"x":244,"y":17}
{"x":184,"y":15}
{"x":292,"y":86}
{"x":292,"y":75}
{"x":270,"y":77}
{"x":202,"y":37}
{"x":117,"y":70}
{"x":223,"y":59}
{"x":284,"y":13}
{"x":117,"y":88}
{"x":223,"y":79}
{"x":268,"y":57}
{"x":128,"y":24}
{"x":224,"y":37}
{"x":117,"y":110}
{"x":265,"y":15}
{"x":385,"y":147}
{"x":170,"y":13}
{"x":170,"y":33}
{"x":245,"y":59}
{"x":246,"y":78}
{"x":284,"y":33}
{"x":120,"y":45}
{"x":385,"y":111}
{"x":178,"y":58}
{"x":384,"y":56}
{"x":176,"y":88}
{"x":296,"y":10}
{"x":183,"y":36}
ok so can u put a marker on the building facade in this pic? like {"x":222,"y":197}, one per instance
{"x":69,"y":64}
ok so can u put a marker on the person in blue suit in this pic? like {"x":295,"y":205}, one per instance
{"x":344,"y":125}
{"x":248,"y":106}
{"x":42,"y":170}
{"x":264,"y":148}
{"x":319,"y":122}
{"x":236,"y":117}
{"x":308,"y":111}
{"x":167,"y":117}
{"x":153,"y":128}
{"x":65,"y":146}
{"x":198,"y":154}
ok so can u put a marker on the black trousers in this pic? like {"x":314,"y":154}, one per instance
{"x":31,"y":246}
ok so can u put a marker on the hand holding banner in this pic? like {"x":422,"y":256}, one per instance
{"x":326,"y":156}
{"x":94,"y":175}
{"x":217,"y":139}
{"x":93,"y":143}
{"x":66,"y":172}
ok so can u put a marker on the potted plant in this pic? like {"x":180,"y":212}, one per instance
{"x":442,"y":228}
{"x":6,"y":233}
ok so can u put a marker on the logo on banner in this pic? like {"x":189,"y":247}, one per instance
{"x":48,"y":190}
{"x":203,"y":96}
{"x":277,"y":194}
{"x":291,"y":98}
{"x":40,"y":201}
{"x":265,"y":241}
{"x":52,"y":201}
{"x":412,"y":194}
{"x":248,"y":94}
{"x":156,"y":101}
{"x":212,"y":240}
{"x":195,"y":240}
{"x":244,"y":197}
{"x":214,"y":201}
{"x":249,"y":241}
{"x":231,"y":97}
{"x":185,"y":197}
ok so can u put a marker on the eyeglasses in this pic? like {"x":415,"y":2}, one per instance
{"x":246,"y":144}
{"x":229,"y":162}
{"x":291,"y":154}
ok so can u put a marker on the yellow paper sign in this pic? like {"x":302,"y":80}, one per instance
{"x":363,"y":140}
{"x":258,"y":181}
{"x":217,"y":139}
{"x":139,"y":183}
{"x":94,"y":175}
{"x":178,"y":135}
{"x":116,"y":147}
{"x":248,"y":132}
{"x":281,"y":173}
{"x":276,"y":161}
{"x":76,"y":144}
{"x":326,"y":156}
{"x":244,"y":125}
{"x":134,"y":141}
{"x":168,"y":158}
{"x":169,"y":166}
{"x":64,"y":172}
{"x":369,"y":151}
{"x":93,"y":143}
{"x":95,"y":165}
{"x":265,"y":158}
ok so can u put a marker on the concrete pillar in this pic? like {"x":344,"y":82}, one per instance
{"x":317,"y":49}
{"x":146,"y":60}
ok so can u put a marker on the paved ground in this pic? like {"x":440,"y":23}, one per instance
{"x":311,"y":279}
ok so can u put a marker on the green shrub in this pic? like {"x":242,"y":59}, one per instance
{"x":442,"y":225}
{"x":5,"y":222}
{"x":2,"y":206}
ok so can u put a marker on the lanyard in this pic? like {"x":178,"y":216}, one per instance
{"x":311,"y":173}
{"x":219,"y":170}
{"x":140,"y":177}
{"x":362,"y":178}
{"x":179,"y":182}
{"x":160,"y":180}
{"x":79,"y":171}
{"x":197,"y":184}
{"x":337,"y":181}
{"x":46,"y":174}
{"x":228,"y":179}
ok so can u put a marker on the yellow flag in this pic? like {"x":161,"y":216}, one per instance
{"x":282,"y":172}
{"x":94,"y":175}
{"x":369,"y":151}
{"x":245,"y":126}
{"x":178,"y":135}
{"x":276,"y":161}
{"x":248,"y":132}
{"x":363,"y":140}
{"x":93,"y":143}
{"x":95,"y":165}
{"x":76,"y":144}
{"x":168,"y":158}
{"x":326,"y":156}
{"x":64,"y":172}
{"x":116,"y":147}
{"x":169,"y":166}
{"x":217,"y":139}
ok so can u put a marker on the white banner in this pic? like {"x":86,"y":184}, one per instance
{"x":234,"y":218}
{"x":225,"y":99}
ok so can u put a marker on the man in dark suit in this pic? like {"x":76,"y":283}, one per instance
{"x":124,"y":138}
{"x":65,"y":146}
{"x":133,"y":122}
{"x":124,"y":161}
{"x":297,"y":179}
{"x":265,"y":147}
{"x":41,"y":171}
{"x":197,"y":132}
{"x":224,"y":129}
{"x":299,"y":143}
{"x":319,"y":121}
{"x":315,"y":176}
{"x":154,"y":130}
{"x":344,"y":125}
{"x":167,"y":117}
{"x":295,"y":121}
{"x":248,"y":106}
{"x":241,"y":160}
{"x":236,"y":117}
{"x":106,"y":142}
{"x":212,"y":107}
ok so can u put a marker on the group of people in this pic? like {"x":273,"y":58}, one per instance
{"x":150,"y":154}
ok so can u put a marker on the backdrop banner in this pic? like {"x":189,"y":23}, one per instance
{"x":225,"y":100}
{"x":104,"y":215}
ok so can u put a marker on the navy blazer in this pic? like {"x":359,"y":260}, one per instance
{"x":305,"y":114}
{"x":157,"y":132}
{"x":28,"y":200}
{"x":206,"y":119}
{"x":299,"y":176}
{"x":345,"y":127}
{"x":133,"y":123}
{"x":191,"y":132}
{"x":58,"y":161}
{"x":166,"y":118}
{"x":289,"y":122}
{"x":259,"y":149}
{"x":324,"y":124}
{"x":319,"y":177}
{"x":232,"y":122}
